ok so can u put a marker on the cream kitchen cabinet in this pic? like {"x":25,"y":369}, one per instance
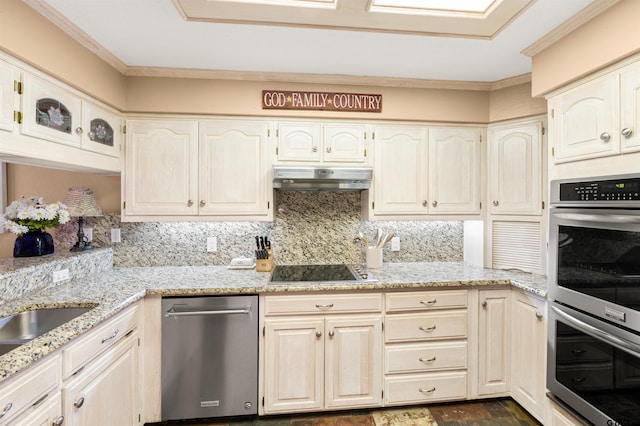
{"x":211,"y":168}
{"x":515,"y":168}
{"x":33,"y":396}
{"x":597,"y":118}
{"x":9,"y":101}
{"x":493,"y":342}
{"x":101,"y":130}
{"x":426,"y":347}
{"x":528,"y":352}
{"x":315,"y":142}
{"x":322,"y":352}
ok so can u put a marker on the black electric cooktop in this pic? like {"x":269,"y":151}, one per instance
{"x":320,"y":273}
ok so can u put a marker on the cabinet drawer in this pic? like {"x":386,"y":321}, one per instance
{"x":97,"y":340}
{"x":422,"y":357}
{"x":425,"y":388}
{"x":322,"y":303}
{"x":426,"y":300}
{"x":426,"y":326}
{"x":28,"y":388}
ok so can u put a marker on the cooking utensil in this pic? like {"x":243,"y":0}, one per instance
{"x":363,"y":239}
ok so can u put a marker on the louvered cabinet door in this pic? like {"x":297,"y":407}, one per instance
{"x":517,"y":244}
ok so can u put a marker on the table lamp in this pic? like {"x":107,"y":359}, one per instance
{"x":81,"y":203}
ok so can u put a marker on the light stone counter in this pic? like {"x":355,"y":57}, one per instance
{"x":111,"y":290}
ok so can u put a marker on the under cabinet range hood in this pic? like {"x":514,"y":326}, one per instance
{"x":322,"y":178}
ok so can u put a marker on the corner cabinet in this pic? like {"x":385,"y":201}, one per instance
{"x":208,"y":169}
{"x":321,"y":352}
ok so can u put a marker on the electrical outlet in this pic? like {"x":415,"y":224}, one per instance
{"x":395,"y":244}
{"x":88,"y":233}
{"x":212,"y":244}
{"x":115,"y":235}
{"x":61,"y":275}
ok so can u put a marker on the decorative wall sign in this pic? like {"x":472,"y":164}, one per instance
{"x":329,"y":101}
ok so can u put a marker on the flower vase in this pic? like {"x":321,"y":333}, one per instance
{"x":35,"y":243}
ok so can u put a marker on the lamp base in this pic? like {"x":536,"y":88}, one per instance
{"x":81,"y":246}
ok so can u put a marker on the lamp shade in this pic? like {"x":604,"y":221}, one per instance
{"x":80,"y":202}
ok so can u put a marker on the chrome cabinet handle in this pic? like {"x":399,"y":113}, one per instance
{"x":202,"y":203}
{"x":627,"y":132}
{"x":78,"y":130}
{"x":604,"y":136}
{"x":45,"y":396}
{"x":539,"y":315}
{"x":429,"y":302}
{"x":79,"y":402}
{"x":495,"y":203}
{"x":427,"y":329}
{"x":92,"y":135}
{"x":432,"y":390}
{"x":6,"y":409}
{"x":319,"y":306}
{"x":331,"y":333}
{"x":484,"y":304}
{"x":427,"y":360}
{"x":115,"y":333}
{"x":58,"y":421}
{"x":434,"y":204}
{"x":189,"y":203}
{"x":318,"y":333}
{"x":328,"y":150}
{"x":314,"y":149}
{"x":424,"y":203}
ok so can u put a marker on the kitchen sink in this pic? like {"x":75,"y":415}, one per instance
{"x":18,"y":329}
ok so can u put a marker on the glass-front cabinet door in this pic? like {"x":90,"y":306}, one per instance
{"x":101,"y":130}
{"x":50,"y":112}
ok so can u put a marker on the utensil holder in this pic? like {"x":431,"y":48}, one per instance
{"x":374,"y":258}
{"x":265,"y":265}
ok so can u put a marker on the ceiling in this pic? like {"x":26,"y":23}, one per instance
{"x":360,"y":39}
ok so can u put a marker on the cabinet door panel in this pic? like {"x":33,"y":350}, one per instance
{"x":8,"y":104}
{"x":400,"y":173}
{"x":454,"y":171}
{"x":234,"y":177}
{"x":353,"y":369}
{"x":299,"y":142}
{"x":100,"y":130}
{"x":294,"y":361}
{"x":344,"y":143}
{"x":515,"y":183}
{"x":493,"y":339}
{"x":630,"y":102}
{"x":162,"y":168}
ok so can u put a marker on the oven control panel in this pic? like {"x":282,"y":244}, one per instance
{"x":602,"y":191}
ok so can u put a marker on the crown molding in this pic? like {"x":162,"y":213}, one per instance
{"x":568,"y":26}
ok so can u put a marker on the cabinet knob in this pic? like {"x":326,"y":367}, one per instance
{"x":627,"y":132}
{"x":424,"y":203}
{"x":58,"y":421}
{"x":434,"y":204}
{"x":202,"y":203}
{"x":92,"y":135}
{"x":331,"y":333}
{"x":314,"y":149}
{"x":78,"y":130}
{"x":6,"y":409}
{"x":539,"y":315}
{"x":484,"y":304}
{"x":329,"y":150}
{"x":79,"y":402}
{"x":318,"y":333}
{"x":495,"y":203}
{"x":604,"y":136}
{"x":189,"y":203}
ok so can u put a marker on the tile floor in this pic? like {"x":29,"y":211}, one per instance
{"x":496,"y":412}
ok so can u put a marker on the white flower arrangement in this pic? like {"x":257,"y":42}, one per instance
{"x":32,"y":214}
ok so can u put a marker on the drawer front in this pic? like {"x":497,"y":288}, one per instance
{"x":426,"y":300}
{"x":427,"y":326}
{"x":322,"y":303}
{"x":429,"y":387}
{"x":423,"y":357}
{"x":29,"y":388}
{"x":98,"y":340}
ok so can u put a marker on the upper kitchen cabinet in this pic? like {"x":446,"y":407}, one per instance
{"x":192,"y":170}
{"x":101,"y":130}
{"x":9,"y":101}
{"x":597,"y":118}
{"x":454,"y":170}
{"x":515,"y":168}
{"x":314,"y":142}
{"x":400,"y":172}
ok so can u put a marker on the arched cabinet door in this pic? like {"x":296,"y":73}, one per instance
{"x":50,"y":112}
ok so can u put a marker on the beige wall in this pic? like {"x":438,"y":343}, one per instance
{"x":514,"y":102}
{"x":607,"y":38}
{"x":27,"y":35}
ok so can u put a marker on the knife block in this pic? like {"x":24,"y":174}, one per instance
{"x":265,"y":265}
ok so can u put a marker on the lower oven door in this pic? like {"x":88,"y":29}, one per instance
{"x":594,"y":367}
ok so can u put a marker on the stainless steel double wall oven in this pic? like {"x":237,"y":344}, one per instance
{"x":594,"y":291}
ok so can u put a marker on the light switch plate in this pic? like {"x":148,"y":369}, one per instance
{"x":395,"y":244}
{"x":88,"y":233}
{"x":61,"y":275}
{"x":115,"y":235}
{"x":212,"y":244}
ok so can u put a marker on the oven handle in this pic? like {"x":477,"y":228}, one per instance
{"x":592,"y":217}
{"x":619,"y":343}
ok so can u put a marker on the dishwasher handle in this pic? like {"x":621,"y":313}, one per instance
{"x":173,"y":313}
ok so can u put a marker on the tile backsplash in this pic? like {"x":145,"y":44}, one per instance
{"x":308,"y":228}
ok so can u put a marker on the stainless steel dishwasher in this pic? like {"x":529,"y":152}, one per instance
{"x":209,"y":356}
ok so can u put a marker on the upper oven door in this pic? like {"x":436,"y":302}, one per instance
{"x":594,"y":262}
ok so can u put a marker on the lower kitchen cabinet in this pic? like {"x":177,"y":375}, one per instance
{"x":493,"y":342}
{"x":528,"y":352}
{"x":330,"y":359}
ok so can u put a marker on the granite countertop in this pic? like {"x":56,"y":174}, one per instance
{"x":112,"y":290}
